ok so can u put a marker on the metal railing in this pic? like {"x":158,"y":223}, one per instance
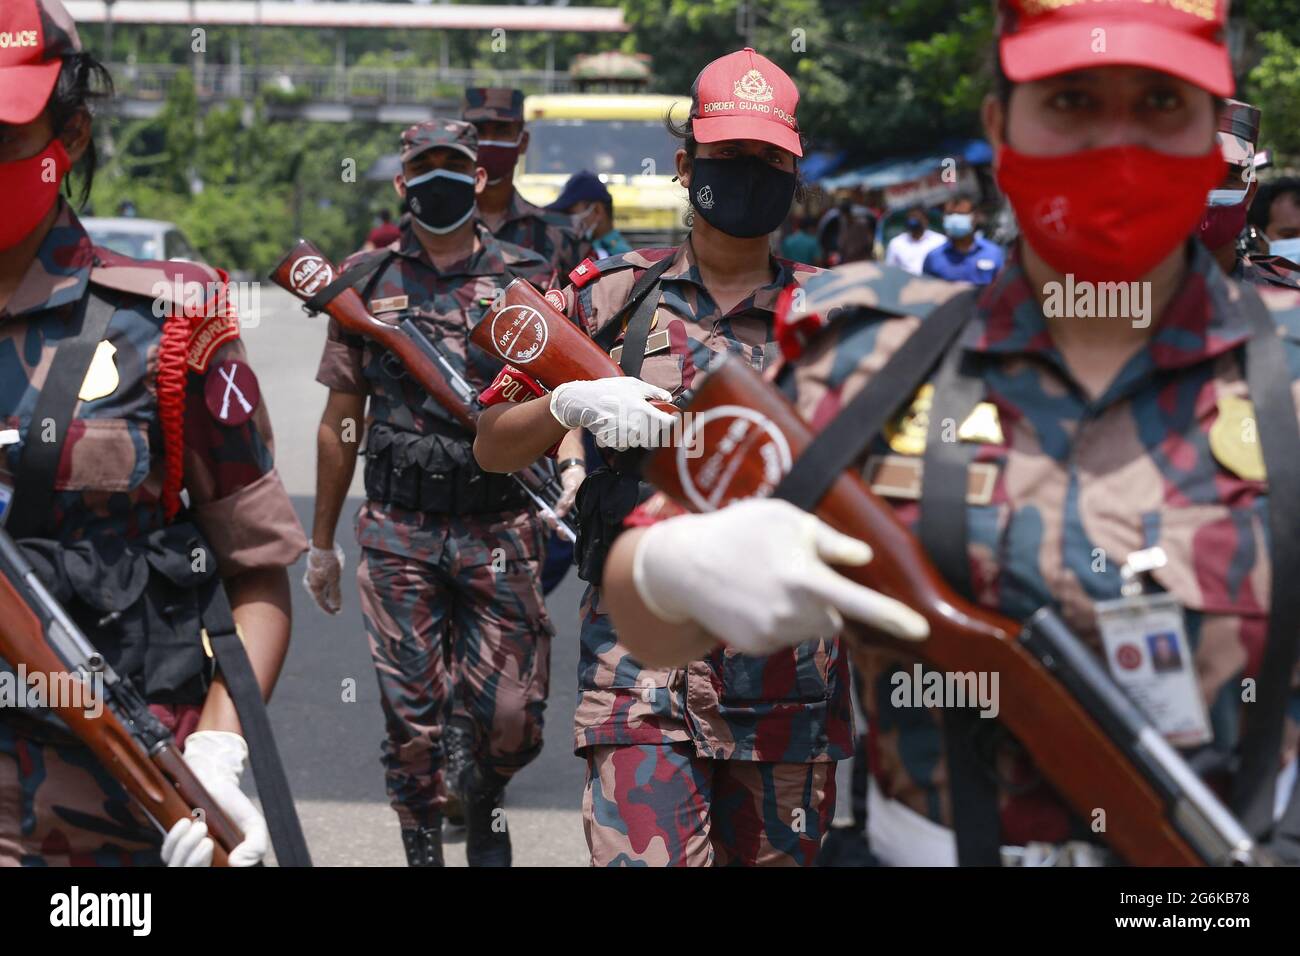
{"x":354,"y":85}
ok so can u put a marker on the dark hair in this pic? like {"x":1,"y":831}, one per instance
{"x":83,"y":81}
{"x":1261,"y":210}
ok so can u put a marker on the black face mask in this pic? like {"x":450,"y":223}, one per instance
{"x":440,"y":200}
{"x":741,"y":197}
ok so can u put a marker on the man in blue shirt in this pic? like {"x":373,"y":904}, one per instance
{"x":588,"y":201}
{"x":965,"y":257}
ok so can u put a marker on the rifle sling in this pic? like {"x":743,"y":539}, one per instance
{"x":943,"y":532}
{"x":847,"y":437}
{"x":57,"y":402}
{"x":1269,"y":383}
{"x":641,"y":304}
{"x":263,"y":754}
{"x":360,"y":275}
{"x":843,"y":442}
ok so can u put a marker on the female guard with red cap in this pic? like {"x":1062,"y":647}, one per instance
{"x":1122,"y":447}
{"x":117,"y":393}
{"x":727,"y":758}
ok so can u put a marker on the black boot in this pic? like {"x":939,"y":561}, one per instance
{"x":458,"y":752}
{"x":423,"y":846}
{"x":487,"y":840}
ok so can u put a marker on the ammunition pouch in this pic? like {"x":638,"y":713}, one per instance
{"x":604,"y":501}
{"x":434,"y":473}
{"x":139,"y":602}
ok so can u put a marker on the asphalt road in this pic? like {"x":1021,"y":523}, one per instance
{"x":331,"y":747}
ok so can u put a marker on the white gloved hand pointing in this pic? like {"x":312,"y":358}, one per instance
{"x":757,"y":576}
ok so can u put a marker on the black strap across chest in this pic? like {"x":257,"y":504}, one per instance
{"x":838,"y":446}
{"x":39,"y":465}
{"x":361,"y":275}
{"x":943,"y":530}
{"x":1269,"y":381}
{"x":641,"y":303}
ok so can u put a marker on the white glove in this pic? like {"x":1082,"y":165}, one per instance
{"x":756,"y":575}
{"x":571,"y":480}
{"x":217,"y":759}
{"x":322,"y":577}
{"x":616,"y":410}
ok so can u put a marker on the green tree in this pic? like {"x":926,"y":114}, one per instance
{"x":1274,"y":86}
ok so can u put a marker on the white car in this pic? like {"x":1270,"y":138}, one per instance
{"x":141,"y":238}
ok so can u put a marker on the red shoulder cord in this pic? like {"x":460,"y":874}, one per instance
{"x":172,"y":356}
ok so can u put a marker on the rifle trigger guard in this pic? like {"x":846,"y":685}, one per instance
{"x":393,"y":365}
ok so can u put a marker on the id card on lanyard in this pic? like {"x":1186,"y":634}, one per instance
{"x":1147,"y":652}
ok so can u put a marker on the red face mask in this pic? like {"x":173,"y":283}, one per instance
{"x":1108,"y":214}
{"x":1220,"y":225}
{"x":30,"y":187}
{"x":498,"y":158}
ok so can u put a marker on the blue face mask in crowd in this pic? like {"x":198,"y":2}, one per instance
{"x":958,"y":225}
{"x":913,"y":224}
{"x":1286,"y":248}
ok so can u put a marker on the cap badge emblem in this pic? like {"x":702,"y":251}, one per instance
{"x":753,"y":87}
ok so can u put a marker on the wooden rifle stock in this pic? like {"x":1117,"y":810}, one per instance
{"x":525,"y":330}
{"x":741,"y":437}
{"x":747,"y":436}
{"x":304,"y":271}
{"x":142,"y":757}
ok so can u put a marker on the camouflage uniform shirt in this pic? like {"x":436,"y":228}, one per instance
{"x":550,"y":234}
{"x":790,"y":707}
{"x":110,"y":478}
{"x":1075,"y":479}
{"x":446,"y":305}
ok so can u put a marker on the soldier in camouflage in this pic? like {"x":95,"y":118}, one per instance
{"x":498,"y":116}
{"x":1096,"y":439}
{"x":728,"y":759}
{"x":1226,"y":215}
{"x":449,"y":577}
{"x":116,"y":544}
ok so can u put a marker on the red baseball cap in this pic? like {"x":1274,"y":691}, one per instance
{"x":35,"y":36}
{"x":1184,"y":38}
{"x":745,"y":95}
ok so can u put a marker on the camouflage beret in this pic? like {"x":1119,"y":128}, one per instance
{"x":1238,"y":132}
{"x":493,"y":103}
{"x":446,"y":133}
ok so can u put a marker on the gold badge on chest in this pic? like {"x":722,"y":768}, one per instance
{"x":101,"y":378}
{"x":1234,"y":439}
{"x":906,"y":434}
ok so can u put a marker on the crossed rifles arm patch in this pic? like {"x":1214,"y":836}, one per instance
{"x":231,"y":392}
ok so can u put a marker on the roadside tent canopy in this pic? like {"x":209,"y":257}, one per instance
{"x":906,"y":169}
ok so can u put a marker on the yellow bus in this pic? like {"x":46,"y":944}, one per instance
{"x":621,"y":138}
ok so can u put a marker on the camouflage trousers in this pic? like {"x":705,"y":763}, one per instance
{"x":448,"y":640}
{"x":60,"y":807}
{"x":661,"y":805}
